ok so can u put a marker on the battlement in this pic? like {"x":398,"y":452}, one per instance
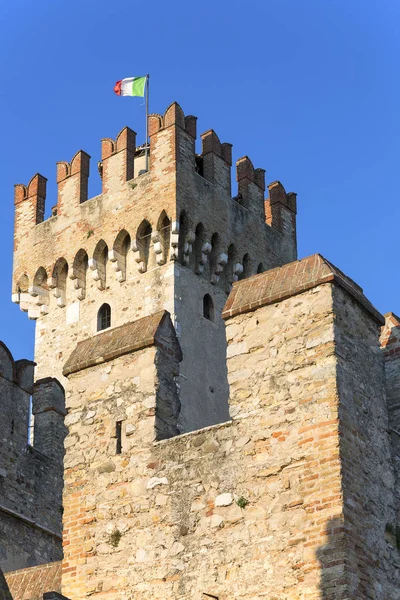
{"x":170,"y":237}
{"x":31,"y":476}
{"x":181,"y":210}
{"x":120,"y":162}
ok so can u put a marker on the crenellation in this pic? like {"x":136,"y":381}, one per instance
{"x":281,"y":209}
{"x":251,"y":186}
{"x":72,"y":182}
{"x":29,"y":204}
{"x":118,"y":160}
{"x":216,"y":162}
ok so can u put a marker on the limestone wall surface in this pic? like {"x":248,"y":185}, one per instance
{"x":253,"y":508}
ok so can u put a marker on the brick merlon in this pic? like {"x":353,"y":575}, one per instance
{"x":289,"y":280}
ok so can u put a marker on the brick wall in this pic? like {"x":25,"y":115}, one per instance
{"x":31,"y":584}
{"x":4,"y":589}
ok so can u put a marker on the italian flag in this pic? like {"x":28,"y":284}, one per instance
{"x":131,"y":86}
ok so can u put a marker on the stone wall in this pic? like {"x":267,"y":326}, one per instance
{"x":30,"y":480}
{"x":274,"y":503}
{"x":115,"y":411}
{"x":390,"y":341}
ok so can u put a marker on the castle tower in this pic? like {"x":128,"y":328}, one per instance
{"x":171,"y":238}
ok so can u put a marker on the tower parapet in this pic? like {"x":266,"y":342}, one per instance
{"x":72,"y":181}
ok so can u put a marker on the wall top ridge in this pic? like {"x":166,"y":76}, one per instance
{"x":289,"y":280}
{"x":115,"y":342}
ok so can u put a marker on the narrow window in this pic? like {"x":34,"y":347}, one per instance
{"x":104,"y":317}
{"x":118,"y":435}
{"x":260,"y":268}
{"x":210,"y":596}
{"x":208,"y":307}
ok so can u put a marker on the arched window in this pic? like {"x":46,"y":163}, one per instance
{"x":200,"y":259}
{"x":40,"y":288}
{"x":99,"y":264}
{"x":104,"y":317}
{"x":59,"y":281}
{"x":260,"y":268}
{"x":208,"y":308}
{"x":247,"y":267}
{"x":120,"y":253}
{"x":79,"y":271}
{"x":143,"y":241}
{"x":163,"y":239}
{"x":183,"y":231}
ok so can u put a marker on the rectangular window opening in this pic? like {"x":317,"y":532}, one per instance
{"x":118,"y":435}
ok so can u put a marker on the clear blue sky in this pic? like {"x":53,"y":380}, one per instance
{"x":309,"y":89}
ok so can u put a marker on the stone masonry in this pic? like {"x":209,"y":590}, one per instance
{"x":290,"y":499}
{"x":30,"y":476}
{"x":232,"y":413}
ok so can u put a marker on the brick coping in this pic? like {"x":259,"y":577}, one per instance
{"x":289,"y":280}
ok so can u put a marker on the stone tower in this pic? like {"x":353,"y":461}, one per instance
{"x":171,"y":238}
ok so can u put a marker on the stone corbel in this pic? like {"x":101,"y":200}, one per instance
{"x":205,"y":251}
{"x":95,"y":267}
{"x":59,"y":294}
{"x":158,"y":247}
{"x":38,"y":294}
{"x":79,"y":286}
{"x":188,"y":247}
{"x":119,"y":264}
{"x":174,"y":242}
{"x":137,"y":257}
{"x":24,"y":299}
{"x":219,"y":267}
{"x":237,"y":271}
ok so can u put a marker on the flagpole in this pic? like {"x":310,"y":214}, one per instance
{"x":147,"y":118}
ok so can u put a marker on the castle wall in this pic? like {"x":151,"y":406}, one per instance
{"x":30,"y":481}
{"x":369,"y":494}
{"x":390,"y":342}
{"x":66,"y":267}
{"x":255,"y":507}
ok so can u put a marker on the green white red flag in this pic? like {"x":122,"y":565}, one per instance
{"x":131,"y":86}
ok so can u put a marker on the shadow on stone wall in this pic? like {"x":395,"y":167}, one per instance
{"x":331,"y":557}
